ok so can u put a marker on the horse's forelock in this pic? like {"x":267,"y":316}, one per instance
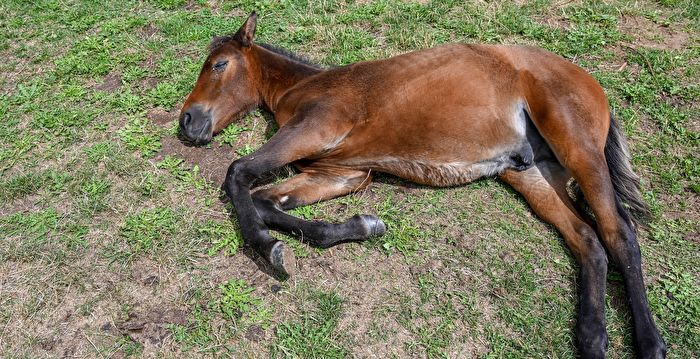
{"x":218,"y":41}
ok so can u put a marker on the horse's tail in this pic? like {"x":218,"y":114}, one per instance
{"x":624,"y":180}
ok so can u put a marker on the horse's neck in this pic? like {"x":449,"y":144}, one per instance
{"x":278,"y":75}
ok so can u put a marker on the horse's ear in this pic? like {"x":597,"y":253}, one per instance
{"x":247,"y":31}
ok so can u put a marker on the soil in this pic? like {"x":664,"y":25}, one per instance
{"x":648,"y":34}
{"x":148,"y":83}
{"x":213,"y":162}
{"x":150,"y":327}
{"x":110,"y":82}
{"x":161,"y":117}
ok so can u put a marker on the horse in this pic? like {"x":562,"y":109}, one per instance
{"x":443,"y":116}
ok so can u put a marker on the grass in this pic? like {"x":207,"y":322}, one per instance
{"x":139,"y":135}
{"x":315,"y":335}
{"x":218,"y":320}
{"x":105,"y":213}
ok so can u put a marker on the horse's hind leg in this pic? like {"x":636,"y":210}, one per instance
{"x":573,"y":117}
{"x":310,"y":187}
{"x":620,"y":239}
{"x":544,"y":188}
{"x":576,"y":132}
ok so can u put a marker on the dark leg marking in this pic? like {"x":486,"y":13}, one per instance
{"x":307,"y":188}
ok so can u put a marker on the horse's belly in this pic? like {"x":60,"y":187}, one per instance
{"x":443,"y":174}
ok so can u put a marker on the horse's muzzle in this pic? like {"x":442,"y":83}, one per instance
{"x":196,"y":125}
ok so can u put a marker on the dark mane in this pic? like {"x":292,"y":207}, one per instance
{"x":220,"y":40}
{"x":290,"y":55}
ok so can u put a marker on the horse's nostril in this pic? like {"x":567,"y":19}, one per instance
{"x":187,"y":119}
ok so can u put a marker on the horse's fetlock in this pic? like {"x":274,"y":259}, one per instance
{"x":593,"y":340}
{"x":653,"y":348}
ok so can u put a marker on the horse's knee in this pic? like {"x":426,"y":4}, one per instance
{"x":234,"y":170}
{"x":238,"y":174}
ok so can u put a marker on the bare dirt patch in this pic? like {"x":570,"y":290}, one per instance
{"x":213,"y":162}
{"x":646,"y":33}
{"x":161,"y":117}
{"x":110,"y":82}
{"x":150,"y":327}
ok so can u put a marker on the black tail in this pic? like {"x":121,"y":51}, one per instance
{"x":625,"y":181}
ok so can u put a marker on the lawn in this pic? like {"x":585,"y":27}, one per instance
{"x":114,"y":240}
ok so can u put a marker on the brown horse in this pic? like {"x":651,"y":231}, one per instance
{"x":440,"y":117}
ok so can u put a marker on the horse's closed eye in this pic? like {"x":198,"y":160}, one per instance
{"x":220,"y":66}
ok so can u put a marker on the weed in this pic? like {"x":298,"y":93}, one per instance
{"x":139,"y":135}
{"x":26,"y":233}
{"x":150,"y":185}
{"x":223,"y":236}
{"x":245,"y":150}
{"x":309,"y":212}
{"x":165,"y":95}
{"x":236,"y":302}
{"x":147,"y":230}
{"x":177,"y":168}
{"x":19,"y":186}
{"x":237,"y":305}
{"x":100,"y":152}
{"x":405,"y":236}
{"x":314,"y":336}
{"x":229,"y":135}
{"x":129,"y":347}
{"x":92,"y":194}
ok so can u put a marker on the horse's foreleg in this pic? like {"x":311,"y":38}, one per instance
{"x":544,"y":188}
{"x":294,"y":141}
{"x":315,"y":186}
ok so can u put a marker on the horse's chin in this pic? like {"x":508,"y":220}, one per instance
{"x":203,"y":141}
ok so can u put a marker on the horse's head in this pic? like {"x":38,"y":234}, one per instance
{"x":226,"y":88}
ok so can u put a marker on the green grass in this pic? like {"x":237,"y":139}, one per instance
{"x":230,"y":134}
{"x":220,"y":317}
{"x":96,"y":198}
{"x":315,"y":334}
{"x":140,"y":135}
{"x":223,"y":236}
{"x":148,"y":230}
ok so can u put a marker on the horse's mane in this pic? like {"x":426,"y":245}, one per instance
{"x":221,"y":40}
{"x":290,"y":55}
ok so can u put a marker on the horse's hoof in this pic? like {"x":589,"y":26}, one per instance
{"x":374,"y":225}
{"x":282,"y":259}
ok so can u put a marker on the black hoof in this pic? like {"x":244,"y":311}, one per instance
{"x":282,"y":259}
{"x":372,"y":225}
